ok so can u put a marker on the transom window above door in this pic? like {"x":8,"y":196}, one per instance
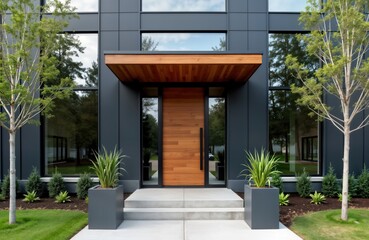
{"x":183,"y":42}
{"x":184,"y":5}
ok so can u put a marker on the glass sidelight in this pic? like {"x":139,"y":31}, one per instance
{"x":150,"y":149}
{"x":217,"y":140}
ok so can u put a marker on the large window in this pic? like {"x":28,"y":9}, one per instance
{"x":287,"y":5}
{"x":183,"y":42}
{"x":293,"y":135}
{"x":70,"y":136}
{"x":183,"y":5}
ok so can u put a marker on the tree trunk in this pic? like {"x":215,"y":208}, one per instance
{"x":345,"y":174}
{"x":12,"y":173}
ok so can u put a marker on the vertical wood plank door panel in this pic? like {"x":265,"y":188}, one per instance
{"x":183,"y":116}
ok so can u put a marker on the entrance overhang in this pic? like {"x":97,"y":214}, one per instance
{"x":183,"y":68}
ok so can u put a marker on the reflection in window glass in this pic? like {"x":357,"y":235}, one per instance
{"x":150,"y":132}
{"x":85,"y":5}
{"x":217,"y":120}
{"x":71,"y":135}
{"x":183,"y":42}
{"x":287,"y":5}
{"x":280,"y":46}
{"x":293,"y":135}
{"x":183,"y":5}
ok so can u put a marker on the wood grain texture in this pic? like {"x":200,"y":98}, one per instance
{"x":183,"y":116}
{"x":206,"y":68}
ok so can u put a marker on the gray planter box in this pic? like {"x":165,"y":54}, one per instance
{"x":262,"y":207}
{"x":105,"y":207}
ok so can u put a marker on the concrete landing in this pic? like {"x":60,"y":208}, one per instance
{"x":185,"y":214}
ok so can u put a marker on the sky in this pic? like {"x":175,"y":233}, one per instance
{"x":185,"y":41}
{"x":89,"y":42}
{"x":287,"y":5}
{"x":86,"y":5}
{"x":183,"y":5}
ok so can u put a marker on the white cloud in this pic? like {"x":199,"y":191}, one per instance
{"x":287,"y":5}
{"x":86,"y":5}
{"x":183,"y":5}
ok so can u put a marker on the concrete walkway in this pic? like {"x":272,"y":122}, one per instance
{"x":196,"y":225}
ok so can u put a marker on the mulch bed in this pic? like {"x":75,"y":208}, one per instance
{"x":298,"y":206}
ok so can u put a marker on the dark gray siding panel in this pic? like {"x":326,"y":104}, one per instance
{"x":237,"y":41}
{"x":87,"y":22}
{"x":237,"y":6}
{"x":237,"y":131}
{"x":129,"y":41}
{"x":257,"y":21}
{"x":108,"y":92}
{"x":130,"y":115}
{"x":129,"y":5}
{"x":258,"y":6}
{"x":111,"y":6}
{"x":129,"y":21}
{"x":30,"y":148}
{"x":184,"y":22}
{"x":238,"y":21}
{"x":279,"y":22}
{"x":109,"y":22}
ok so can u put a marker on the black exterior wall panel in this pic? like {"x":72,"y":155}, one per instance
{"x":108,"y":94}
{"x":109,"y":22}
{"x":284,"y":22}
{"x":237,"y":5}
{"x":87,"y":22}
{"x":238,"y":41}
{"x":30,"y":149}
{"x":129,"y":40}
{"x":257,"y":22}
{"x":109,"y":6}
{"x":257,"y":6}
{"x":183,"y":21}
{"x":129,"y":5}
{"x":129,"y":21}
{"x":238,"y":21}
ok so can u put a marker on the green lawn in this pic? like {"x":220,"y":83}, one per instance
{"x":42,"y":224}
{"x":327,"y":225}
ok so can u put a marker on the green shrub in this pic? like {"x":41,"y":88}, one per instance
{"x":352,"y":188}
{"x":56,"y":185}
{"x":5,"y":186}
{"x":83,"y":184}
{"x":329,"y":183}
{"x":348,"y":197}
{"x":62,"y":197}
{"x":2,"y":198}
{"x":317,"y":198}
{"x":259,"y":168}
{"x":277,"y":182}
{"x":31,"y":197}
{"x":283,"y":199}
{"x":303,"y":184}
{"x":363,"y":183}
{"x":34,"y":183}
{"x":86,"y":200}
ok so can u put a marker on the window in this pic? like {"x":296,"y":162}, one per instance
{"x":71,"y":135}
{"x":183,"y":5}
{"x":150,"y":136}
{"x":293,"y":135}
{"x":287,"y":5}
{"x":85,"y":5}
{"x":183,"y":42}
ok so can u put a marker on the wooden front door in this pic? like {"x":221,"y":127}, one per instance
{"x":183,"y":117}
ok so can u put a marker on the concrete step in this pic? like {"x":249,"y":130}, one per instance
{"x":184,"y":198}
{"x":183,"y":213}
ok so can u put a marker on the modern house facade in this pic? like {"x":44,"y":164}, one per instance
{"x":183,"y":88}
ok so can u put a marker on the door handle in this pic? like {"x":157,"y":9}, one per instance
{"x":201,"y":147}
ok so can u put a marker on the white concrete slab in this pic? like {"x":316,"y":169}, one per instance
{"x":136,"y":230}
{"x":186,"y":230}
{"x":235,"y":230}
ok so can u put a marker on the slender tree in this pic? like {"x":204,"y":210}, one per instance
{"x":27,"y":66}
{"x":339,"y":38}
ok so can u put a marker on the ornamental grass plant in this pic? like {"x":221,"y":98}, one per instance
{"x":260,"y":168}
{"x":107,"y":167}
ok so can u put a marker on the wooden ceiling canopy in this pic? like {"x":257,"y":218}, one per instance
{"x":183,"y":68}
